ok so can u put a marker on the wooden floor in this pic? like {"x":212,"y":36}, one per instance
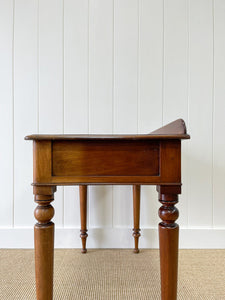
{"x":114,"y":274}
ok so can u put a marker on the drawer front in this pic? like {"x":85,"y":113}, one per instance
{"x":105,"y":158}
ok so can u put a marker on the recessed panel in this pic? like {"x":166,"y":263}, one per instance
{"x":105,"y":158}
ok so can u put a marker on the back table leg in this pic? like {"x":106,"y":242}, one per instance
{"x":83,"y":216}
{"x":136,"y":213}
{"x":168,"y":241}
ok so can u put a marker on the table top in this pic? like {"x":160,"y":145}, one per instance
{"x":173,"y":130}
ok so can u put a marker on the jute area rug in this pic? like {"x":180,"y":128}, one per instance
{"x":114,"y":274}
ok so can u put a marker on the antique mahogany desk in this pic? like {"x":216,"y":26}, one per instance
{"x":150,"y":159}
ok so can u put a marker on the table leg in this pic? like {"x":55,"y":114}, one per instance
{"x":83,"y":216}
{"x":44,"y":246}
{"x":168,"y":243}
{"x":136,"y":214}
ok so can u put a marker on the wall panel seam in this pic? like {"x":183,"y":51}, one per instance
{"x":138,"y":64}
{"x":38,"y":70}
{"x":13,"y":114}
{"x":88,"y":65}
{"x":163,"y":60}
{"x":88,"y":96}
{"x":63,"y":102}
{"x":213,"y":104}
{"x":113,"y":91}
{"x":188,"y":96}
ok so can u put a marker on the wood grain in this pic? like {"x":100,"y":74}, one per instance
{"x":168,"y":241}
{"x":44,"y":242}
{"x":105,"y":158}
{"x":83,"y":216}
{"x":136,"y":215}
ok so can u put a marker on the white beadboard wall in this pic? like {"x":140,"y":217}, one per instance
{"x":113,"y":66}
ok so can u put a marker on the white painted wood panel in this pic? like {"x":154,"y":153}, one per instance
{"x":150,"y":65}
{"x":126,"y":39}
{"x":114,"y":238}
{"x":175,"y":94}
{"x":218,"y":116}
{"x":125,"y":65}
{"x":200,"y":113}
{"x":25,"y":107}
{"x":75,"y":89}
{"x":76,"y":66}
{"x":51,"y":89}
{"x":101,"y":66}
{"x":101,"y":13}
{"x":150,"y":91}
{"x":175,"y":60}
{"x":6,"y":113}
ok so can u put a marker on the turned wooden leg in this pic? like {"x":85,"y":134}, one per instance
{"x":44,"y":245}
{"x":136,"y":214}
{"x":83,"y":216}
{"x":168,"y":241}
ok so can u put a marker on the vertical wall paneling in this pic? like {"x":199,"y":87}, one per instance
{"x":25,"y":107}
{"x":6,"y":112}
{"x":150,"y":91}
{"x":175,"y":60}
{"x":100,"y":97}
{"x":125,"y":92}
{"x":51,"y":78}
{"x":101,"y":66}
{"x":175,"y":102}
{"x":126,"y":65}
{"x":150,"y":65}
{"x":113,"y":66}
{"x":200,"y":113}
{"x":75,"y":66}
{"x":219,"y":120}
{"x":75,"y":89}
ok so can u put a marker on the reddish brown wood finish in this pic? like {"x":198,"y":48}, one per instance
{"x":83,"y":216}
{"x":105,"y":158}
{"x":173,"y":130}
{"x":156,"y":166}
{"x":153,"y":159}
{"x":168,"y":241}
{"x":44,"y":242}
{"x":177,"y":126}
{"x":136,"y":214}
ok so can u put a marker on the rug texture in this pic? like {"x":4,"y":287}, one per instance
{"x":113,"y":274}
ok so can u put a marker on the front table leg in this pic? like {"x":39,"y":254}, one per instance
{"x":44,"y":246}
{"x":168,"y":241}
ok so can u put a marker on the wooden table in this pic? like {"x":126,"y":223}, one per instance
{"x":150,"y":159}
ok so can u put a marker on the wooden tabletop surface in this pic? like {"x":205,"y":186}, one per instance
{"x":174,"y":130}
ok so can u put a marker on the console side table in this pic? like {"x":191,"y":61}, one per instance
{"x":149,"y":159}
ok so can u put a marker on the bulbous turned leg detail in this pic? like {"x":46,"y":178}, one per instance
{"x":44,"y":246}
{"x":136,"y":214}
{"x":168,"y":244}
{"x":83,"y":216}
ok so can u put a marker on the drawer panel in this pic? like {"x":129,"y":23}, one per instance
{"x":105,"y":158}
